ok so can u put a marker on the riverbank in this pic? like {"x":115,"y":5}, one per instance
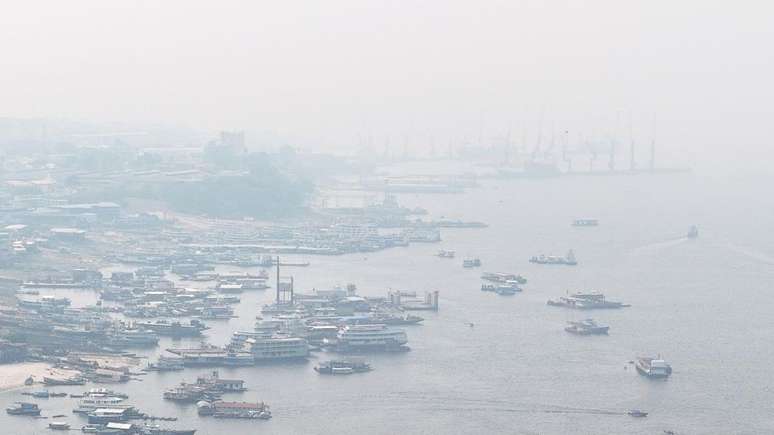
{"x":12,"y":376}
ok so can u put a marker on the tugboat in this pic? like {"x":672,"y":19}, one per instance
{"x":637,"y":413}
{"x":23,"y":408}
{"x":567,"y":260}
{"x":338,"y":367}
{"x":586,"y":327}
{"x":693,"y":232}
{"x":654,"y":368}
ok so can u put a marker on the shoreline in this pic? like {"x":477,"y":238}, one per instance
{"x":12,"y":376}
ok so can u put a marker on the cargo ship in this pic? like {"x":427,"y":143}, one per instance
{"x":567,"y":260}
{"x":339,"y":367}
{"x":586,"y":301}
{"x":220,"y":409}
{"x":503,"y":277}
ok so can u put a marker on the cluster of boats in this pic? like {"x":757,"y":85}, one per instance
{"x":106,"y":412}
{"x":205,"y":388}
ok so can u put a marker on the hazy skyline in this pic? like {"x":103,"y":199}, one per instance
{"x":329,"y":75}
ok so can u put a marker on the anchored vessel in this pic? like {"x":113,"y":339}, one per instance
{"x":655,"y":368}
{"x":586,"y":327}
{"x":445,"y":254}
{"x":693,"y":232}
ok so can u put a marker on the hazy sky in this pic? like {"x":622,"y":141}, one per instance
{"x":330,"y":72}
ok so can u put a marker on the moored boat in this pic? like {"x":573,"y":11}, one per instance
{"x":59,"y":425}
{"x":23,"y":408}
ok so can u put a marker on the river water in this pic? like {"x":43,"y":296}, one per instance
{"x":705,"y":305}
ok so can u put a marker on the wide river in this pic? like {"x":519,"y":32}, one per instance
{"x":705,"y":305}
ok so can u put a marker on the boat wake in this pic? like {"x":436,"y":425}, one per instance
{"x":658,"y":246}
{"x":752,"y":254}
{"x":491,"y":405}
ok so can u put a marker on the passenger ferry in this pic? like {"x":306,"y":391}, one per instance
{"x":278,"y":348}
{"x":371,"y":337}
